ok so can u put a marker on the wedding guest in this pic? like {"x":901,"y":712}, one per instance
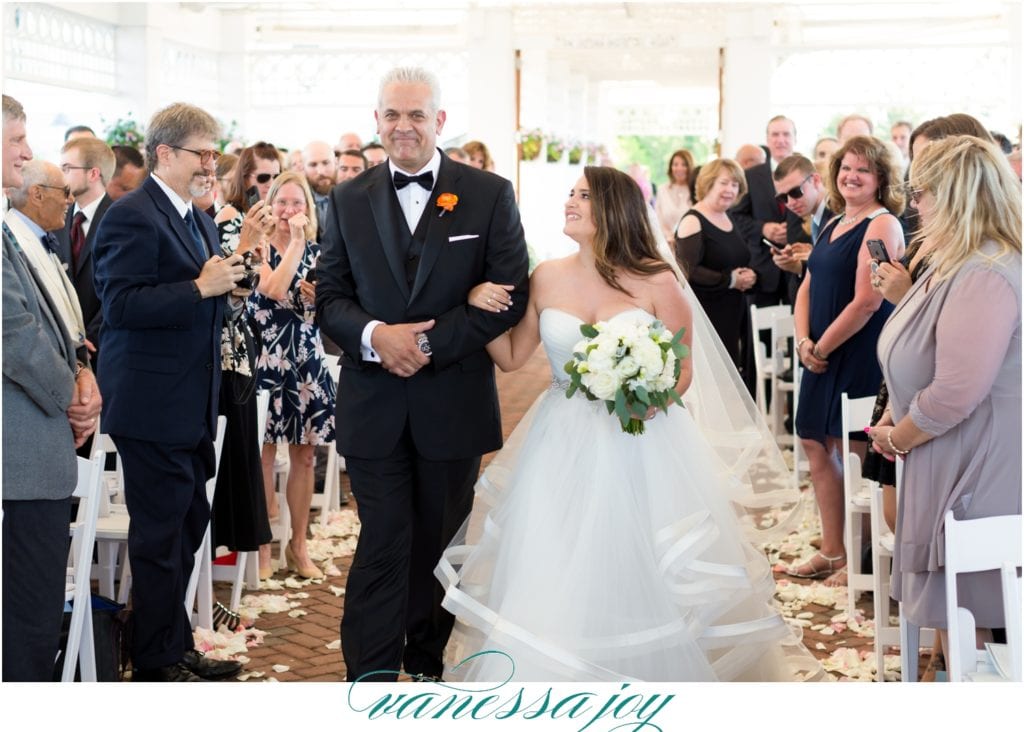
{"x":900,"y":134}
{"x":824,"y":148}
{"x":294,"y":161}
{"x":749,"y":156}
{"x":675,"y":198}
{"x":374,"y":153}
{"x":163,"y":284}
{"x":78,"y":131}
{"x":223,"y":186}
{"x":240,"y":518}
{"x":457,"y":154}
{"x":350,"y":164}
{"x":852,"y":125}
{"x":838,"y":316}
{"x":349,"y":141}
{"x":291,"y":363}
{"x":800,"y":188}
{"x":715,"y":259}
{"x":258,"y":165}
{"x":479,"y":156}
{"x":955,"y":420}
{"x":51,"y":401}
{"x":129,"y":171}
{"x":320,"y":165}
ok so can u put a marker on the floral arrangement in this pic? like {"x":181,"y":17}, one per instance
{"x":125,"y":131}
{"x":230,"y":133}
{"x":596,"y":153}
{"x":530,"y":144}
{"x":630,"y":365}
{"x":575,"y":153}
{"x":555,"y":149}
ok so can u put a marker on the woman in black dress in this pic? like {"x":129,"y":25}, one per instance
{"x":714,"y":257}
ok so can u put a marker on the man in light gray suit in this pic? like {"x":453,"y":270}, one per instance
{"x":50,"y":405}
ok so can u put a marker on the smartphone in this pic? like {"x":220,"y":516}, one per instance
{"x":876,"y":248}
{"x":773,"y":245}
{"x":251,"y":197}
{"x":311,"y":275}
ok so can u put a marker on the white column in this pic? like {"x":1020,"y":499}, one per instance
{"x":138,"y":59}
{"x":492,"y":85}
{"x":747,"y":79}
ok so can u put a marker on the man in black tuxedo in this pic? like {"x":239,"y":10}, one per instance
{"x":87,"y":164}
{"x":759,"y":215}
{"x":417,"y":402}
{"x":161,"y":281}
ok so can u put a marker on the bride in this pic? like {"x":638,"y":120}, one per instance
{"x":596,"y":555}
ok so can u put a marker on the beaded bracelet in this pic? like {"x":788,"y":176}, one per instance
{"x":893,"y":447}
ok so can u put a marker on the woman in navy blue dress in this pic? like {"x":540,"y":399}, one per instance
{"x":838,"y":317}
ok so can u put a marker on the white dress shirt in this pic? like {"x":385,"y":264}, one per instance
{"x":90,"y":214}
{"x":413,"y":200}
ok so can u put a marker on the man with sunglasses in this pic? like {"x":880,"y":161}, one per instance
{"x":162,"y":284}
{"x":800,"y":189}
{"x":760,"y":216}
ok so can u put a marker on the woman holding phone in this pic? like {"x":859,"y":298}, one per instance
{"x":838,"y":316}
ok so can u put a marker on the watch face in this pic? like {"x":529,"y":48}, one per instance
{"x":424,"y":344}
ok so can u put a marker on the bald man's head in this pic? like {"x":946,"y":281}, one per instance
{"x":318,"y":164}
{"x":750,"y":155}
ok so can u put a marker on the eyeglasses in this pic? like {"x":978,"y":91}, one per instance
{"x":205,"y":156}
{"x":65,"y":167}
{"x":66,"y":189}
{"x":263,"y":178}
{"x":797,"y":192}
{"x":911,"y":193}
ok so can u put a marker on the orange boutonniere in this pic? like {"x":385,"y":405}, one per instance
{"x":446,"y":202}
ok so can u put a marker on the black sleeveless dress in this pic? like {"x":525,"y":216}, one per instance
{"x":708,"y":259}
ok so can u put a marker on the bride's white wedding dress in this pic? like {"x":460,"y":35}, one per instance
{"x":594,"y":555}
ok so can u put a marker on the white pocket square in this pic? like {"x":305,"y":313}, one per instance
{"x":463,"y":237}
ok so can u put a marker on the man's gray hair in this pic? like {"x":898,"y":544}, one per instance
{"x":173,"y":125}
{"x":13,"y":111}
{"x":33,"y":173}
{"x":411,"y":75}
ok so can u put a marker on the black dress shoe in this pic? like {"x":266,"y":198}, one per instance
{"x":209,"y":668}
{"x":174,"y":672}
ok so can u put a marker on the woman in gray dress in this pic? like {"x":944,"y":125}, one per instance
{"x":951,"y":356}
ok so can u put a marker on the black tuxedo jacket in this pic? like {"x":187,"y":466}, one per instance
{"x":451,"y":404}
{"x":82,"y":275}
{"x":160,"y":371}
{"x":752,"y":212}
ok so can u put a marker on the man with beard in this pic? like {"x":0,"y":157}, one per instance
{"x":162,"y":284}
{"x":318,"y":164}
{"x":88,"y":165}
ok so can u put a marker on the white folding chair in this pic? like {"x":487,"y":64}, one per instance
{"x":112,"y":529}
{"x":783,"y":336}
{"x":882,"y":545}
{"x":80,"y":648}
{"x":200,"y":582}
{"x":1011,"y":583}
{"x":764,"y":368}
{"x":246,"y":569}
{"x":856,"y":415}
{"x":974,"y":545}
{"x":330,"y":500}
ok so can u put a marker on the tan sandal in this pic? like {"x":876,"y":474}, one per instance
{"x":813,"y":569}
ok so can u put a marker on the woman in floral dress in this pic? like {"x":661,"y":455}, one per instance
{"x":291,"y":363}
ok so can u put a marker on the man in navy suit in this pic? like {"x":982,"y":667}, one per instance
{"x":162,"y":285}
{"x":87,"y":164}
{"x":417,"y":404}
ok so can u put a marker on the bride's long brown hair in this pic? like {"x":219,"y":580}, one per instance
{"x":624,"y":238}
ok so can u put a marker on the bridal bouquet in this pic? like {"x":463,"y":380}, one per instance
{"x":630,"y":365}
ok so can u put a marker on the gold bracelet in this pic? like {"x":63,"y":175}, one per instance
{"x":893,"y":447}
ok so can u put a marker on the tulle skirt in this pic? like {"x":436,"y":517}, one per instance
{"x":595,"y":555}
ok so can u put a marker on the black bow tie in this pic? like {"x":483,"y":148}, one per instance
{"x":50,"y":242}
{"x":424,"y":179}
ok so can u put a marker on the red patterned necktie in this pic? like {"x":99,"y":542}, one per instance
{"x":77,"y":238}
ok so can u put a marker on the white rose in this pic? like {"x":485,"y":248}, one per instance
{"x":603,"y":384}
{"x":627,"y":367}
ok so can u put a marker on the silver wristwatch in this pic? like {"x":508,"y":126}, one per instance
{"x":423,"y":343}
